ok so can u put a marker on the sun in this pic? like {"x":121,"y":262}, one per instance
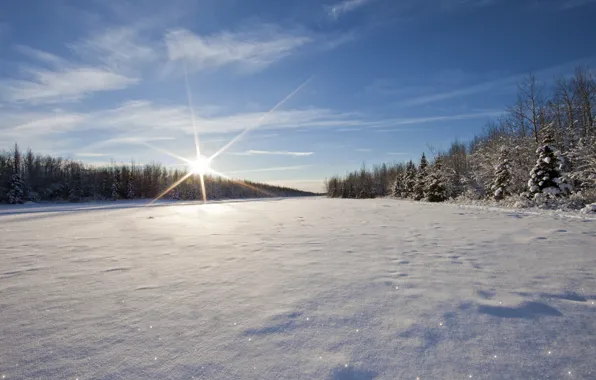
{"x":202,"y":165}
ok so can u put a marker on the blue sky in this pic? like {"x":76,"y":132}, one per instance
{"x":104,"y":80}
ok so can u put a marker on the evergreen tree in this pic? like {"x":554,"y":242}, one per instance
{"x":116,"y":184}
{"x":435,"y":189}
{"x":16,"y":186}
{"x":420,"y":184}
{"x":130,"y":192}
{"x":398,"y":186}
{"x":502,"y":178}
{"x":409,"y":180}
{"x":545,"y":177}
{"x":106,"y":187}
{"x":16,"y":189}
{"x":75,"y":191}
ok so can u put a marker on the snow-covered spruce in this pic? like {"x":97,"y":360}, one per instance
{"x":421,"y":174}
{"x":16,"y":192}
{"x":398,"y":187}
{"x":435,"y":189}
{"x":130,"y":191}
{"x":403,"y":186}
{"x":502,"y":179}
{"x":546,"y":176}
{"x":116,"y":185}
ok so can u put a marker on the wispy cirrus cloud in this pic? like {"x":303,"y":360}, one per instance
{"x":272,"y":153}
{"x":145,"y":117}
{"x":66,"y":85}
{"x":470,"y":90}
{"x":22,"y":124}
{"x":145,"y":120}
{"x":337,"y":10}
{"x":106,"y":60}
{"x":345,"y":130}
{"x":363,"y":150}
{"x":248,"y":51}
{"x":506,"y":83}
{"x":121,"y":49}
{"x":54,"y":79}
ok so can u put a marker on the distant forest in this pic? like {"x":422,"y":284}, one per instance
{"x":541,"y":152}
{"x":32,"y":177}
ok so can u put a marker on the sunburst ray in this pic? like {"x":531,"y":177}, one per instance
{"x":165,"y":152}
{"x":261,"y":119}
{"x":203,"y":191}
{"x":192,"y":112}
{"x":174,"y":185}
{"x":243,"y":183}
{"x":220,"y":151}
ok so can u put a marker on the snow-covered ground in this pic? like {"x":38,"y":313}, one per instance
{"x":306,"y":288}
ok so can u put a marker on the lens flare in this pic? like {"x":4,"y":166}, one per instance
{"x":201,"y":166}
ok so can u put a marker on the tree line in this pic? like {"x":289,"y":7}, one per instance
{"x":542,"y":150}
{"x":33,"y":177}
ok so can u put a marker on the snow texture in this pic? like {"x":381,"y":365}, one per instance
{"x":295,"y":289}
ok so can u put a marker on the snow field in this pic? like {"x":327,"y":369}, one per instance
{"x":296,"y":289}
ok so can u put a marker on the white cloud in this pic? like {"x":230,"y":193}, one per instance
{"x":24,"y":124}
{"x":146,"y":121}
{"x":431,"y":119}
{"x":248,"y":51}
{"x":120,"y":48}
{"x":61,"y":85}
{"x":343,"y":130}
{"x":475,"y":89}
{"x":363,"y":150}
{"x":107,"y":60}
{"x":272,"y":153}
{"x":346,"y":6}
{"x":333,"y":41}
{"x":142,"y":117}
{"x":42,"y":56}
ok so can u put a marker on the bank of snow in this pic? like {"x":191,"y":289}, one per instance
{"x":301,"y":289}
